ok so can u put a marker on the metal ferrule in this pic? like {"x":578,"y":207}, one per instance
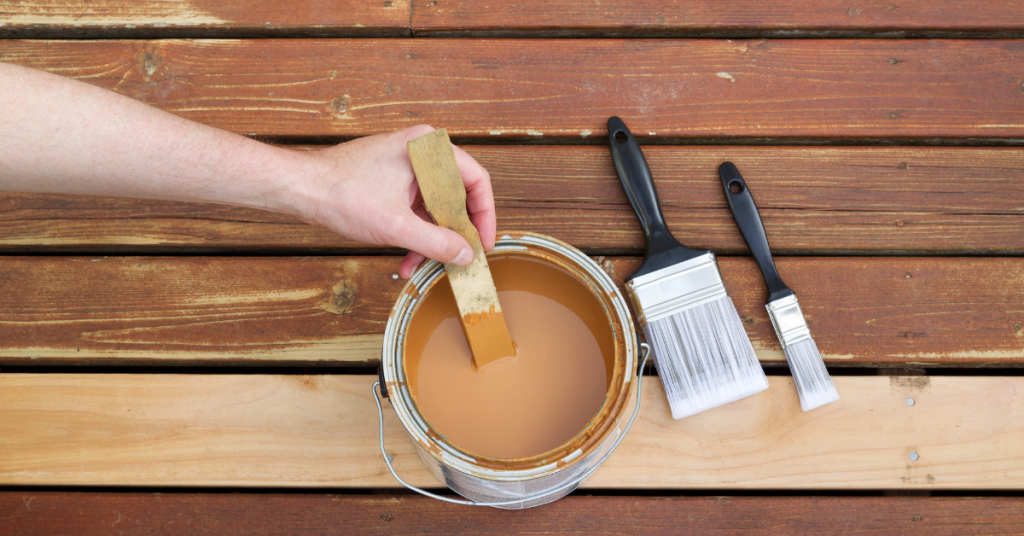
{"x":788,"y":320}
{"x":679,"y":287}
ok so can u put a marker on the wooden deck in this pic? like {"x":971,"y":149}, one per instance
{"x":181,"y":368}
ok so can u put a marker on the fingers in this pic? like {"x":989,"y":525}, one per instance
{"x":431,"y":241}
{"x":479,"y":196}
{"x":409,"y":264}
{"x":412,"y":259}
{"x":407,"y":134}
{"x":421,"y":211}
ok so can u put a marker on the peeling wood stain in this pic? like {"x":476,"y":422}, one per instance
{"x":913,"y":383}
{"x":137,"y":13}
{"x":149,"y":62}
{"x":200,"y":318}
{"x":343,"y":298}
{"x":606,"y":264}
{"x":969,"y":202}
{"x":969,"y":206}
{"x":552,"y":79}
{"x":194,"y":309}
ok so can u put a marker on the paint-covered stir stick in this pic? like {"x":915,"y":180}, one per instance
{"x":444,"y":196}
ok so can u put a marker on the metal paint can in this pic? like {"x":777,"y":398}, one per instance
{"x":523,"y":482}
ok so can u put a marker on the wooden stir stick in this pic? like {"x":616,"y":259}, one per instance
{"x":444,"y":195}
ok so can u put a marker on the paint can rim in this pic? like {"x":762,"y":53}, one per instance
{"x":596,"y":433}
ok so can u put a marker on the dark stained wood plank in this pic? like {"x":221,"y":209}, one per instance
{"x":913,"y":90}
{"x":194,"y":309}
{"x":54,"y":513}
{"x":746,"y":18}
{"x":814,"y":200}
{"x":202,"y":18}
{"x":897,"y":312}
{"x":323,"y":431}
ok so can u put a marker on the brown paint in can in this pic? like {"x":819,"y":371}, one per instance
{"x":529,"y":405}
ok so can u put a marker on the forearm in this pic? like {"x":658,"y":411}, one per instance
{"x":62,"y":136}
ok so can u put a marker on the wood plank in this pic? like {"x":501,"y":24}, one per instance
{"x":911,"y":90}
{"x":814,"y":200}
{"x":42,"y":19}
{"x":53,"y":513}
{"x":196,"y":309}
{"x":321,"y":431}
{"x":904,"y":311}
{"x":743,"y":18}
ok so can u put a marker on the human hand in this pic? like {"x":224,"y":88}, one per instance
{"x":367,"y":191}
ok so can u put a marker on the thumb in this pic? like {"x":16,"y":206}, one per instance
{"x":435,"y":242}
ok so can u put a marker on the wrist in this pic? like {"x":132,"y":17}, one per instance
{"x":301,"y":187}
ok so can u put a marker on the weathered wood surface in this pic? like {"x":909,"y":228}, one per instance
{"x":321,"y":431}
{"x":904,"y":311}
{"x":190,"y":309}
{"x":565,"y":90}
{"x":714,"y":18}
{"x":813,"y":200}
{"x":149,"y":18}
{"x":165,"y":18}
{"x":55,"y":513}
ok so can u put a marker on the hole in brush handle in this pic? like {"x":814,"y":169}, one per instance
{"x":744,"y":211}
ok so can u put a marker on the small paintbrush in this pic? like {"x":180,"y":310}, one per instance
{"x":813,"y":383}
{"x":701,"y":350}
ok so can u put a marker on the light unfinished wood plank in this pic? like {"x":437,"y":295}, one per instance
{"x":210,"y":18}
{"x":321,"y":431}
{"x":565,"y":89}
{"x":814,"y":200}
{"x":899,"y":311}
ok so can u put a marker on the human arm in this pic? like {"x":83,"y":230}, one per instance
{"x":58,"y":135}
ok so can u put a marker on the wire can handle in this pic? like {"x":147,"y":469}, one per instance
{"x":574,"y":482}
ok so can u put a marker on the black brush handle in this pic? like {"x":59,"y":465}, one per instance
{"x":636,"y":179}
{"x":744,"y":210}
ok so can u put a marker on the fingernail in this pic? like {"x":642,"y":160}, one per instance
{"x":464,"y":257}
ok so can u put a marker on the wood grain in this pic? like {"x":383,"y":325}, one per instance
{"x":911,"y":90}
{"x":149,"y":18}
{"x":321,"y":431}
{"x":902,"y":311}
{"x":202,"y":18}
{"x":814,"y":200}
{"x":744,"y":18}
{"x":192,"y":309}
{"x":56,"y":513}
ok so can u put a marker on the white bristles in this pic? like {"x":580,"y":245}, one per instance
{"x":813,"y":383}
{"x":704,"y":357}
